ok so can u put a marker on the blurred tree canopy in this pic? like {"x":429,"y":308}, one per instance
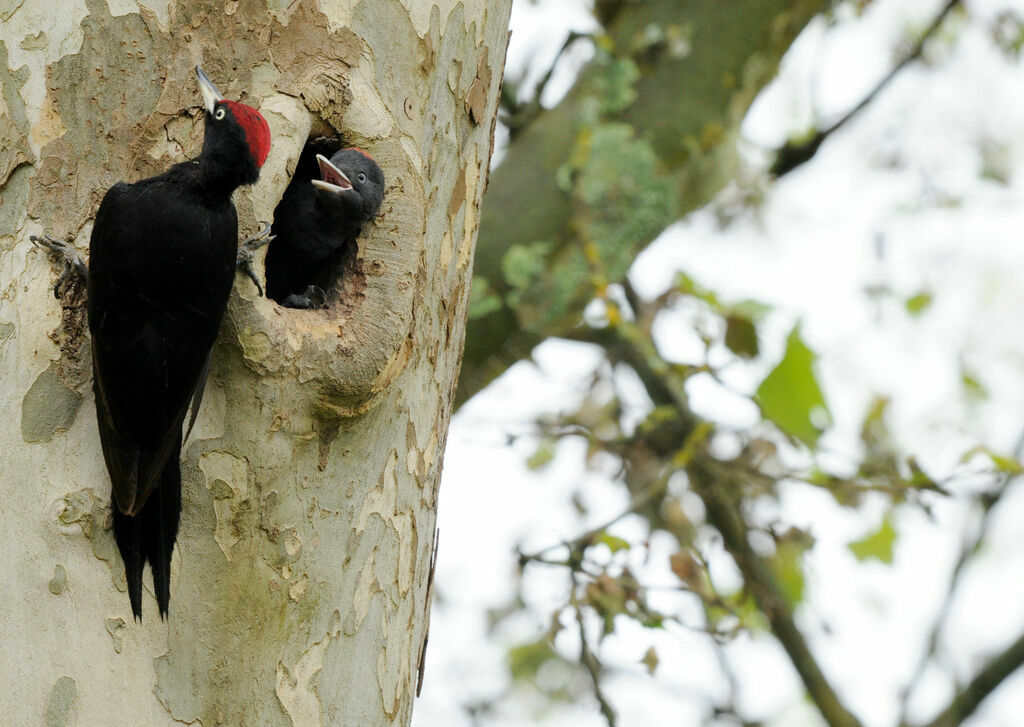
{"x":647,"y":134}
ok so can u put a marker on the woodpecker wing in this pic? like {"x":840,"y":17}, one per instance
{"x":156,"y":297}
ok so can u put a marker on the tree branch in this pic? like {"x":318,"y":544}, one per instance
{"x":719,"y":492}
{"x":792,"y":155}
{"x":984,"y":683}
{"x":970,"y":548}
{"x":519,"y":114}
{"x":591,"y":663}
{"x":693,"y":138}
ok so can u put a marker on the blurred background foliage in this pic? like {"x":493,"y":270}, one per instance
{"x":648,"y":132}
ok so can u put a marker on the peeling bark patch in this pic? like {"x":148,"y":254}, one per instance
{"x":473,"y":194}
{"x":48,"y":407}
{"x":298,"y":589}
{"x":416,"y":464}
{"x":92,"y":515}
{"x":14,"y":147}
{"x":458,"y":195}
{"x":256,"y":348}
{"x":227,"y":477}
{"x":117,"y":628}
{"x":59,"y":580}
{"x":294,"y":687}
{"x":37,"y":41}
{"x":383,"y":502}
{"x":108,"y":89}
{"x":9,"y":8}
{"x":476,"y":99}
{"x":13,"y":202}
{"x":319,"y":62}
{"x":62,"y":700}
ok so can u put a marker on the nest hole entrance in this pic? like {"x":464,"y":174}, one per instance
{"x":312,"y":262}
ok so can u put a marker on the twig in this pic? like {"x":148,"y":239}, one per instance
{"x":645,"y":498}
{"x":724,"y":515}
{"x":967,"y":551}
{"x":984,"y":683}
{"x":591,"y":663}
{"x":970,"y":547}
{"x":521,"y":114}
{"x":792,"y":155}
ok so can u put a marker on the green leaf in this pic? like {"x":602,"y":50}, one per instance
{"x":755,"y":310}
{"x":1009,"y":465}
{"x":542,"y":456}
{"x":741,"y":336}
{"x":686,"y":285}
{"x":482,"y":299}
{"x":972,"y":385}
{"x":789,"y":565}
{"x":877,"y":544}
{"x":918,"y":303}
{"x":650,"y":660}
{"x":790,"y":395}
{"x":524,"y":660}
{"x":614,"y":543}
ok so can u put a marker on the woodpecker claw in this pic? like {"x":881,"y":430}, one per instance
{"x":65,"y":252}
{"x":312,"y":297}
{"x":246,"y":251}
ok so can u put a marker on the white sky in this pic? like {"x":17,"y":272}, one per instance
{"x":906,"y":171}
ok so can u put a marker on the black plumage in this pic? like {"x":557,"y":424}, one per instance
{"x":317,"y":221}
{"x":161,"y":266}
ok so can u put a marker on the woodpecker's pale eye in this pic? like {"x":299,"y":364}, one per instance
{"x":362,"y":177}
{"x":219,"y":114}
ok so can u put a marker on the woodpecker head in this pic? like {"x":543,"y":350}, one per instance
{"x":350,"y":183}
{"x":237,"y":138}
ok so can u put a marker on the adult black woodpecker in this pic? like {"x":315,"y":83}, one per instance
{"x":317,"y":220}
{"x":161,"y":265}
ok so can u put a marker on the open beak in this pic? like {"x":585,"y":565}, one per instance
{"x":210,"y":93}
{"x":332,"y":178}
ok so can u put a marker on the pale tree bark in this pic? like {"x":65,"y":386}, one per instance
{"x":300,"y":583}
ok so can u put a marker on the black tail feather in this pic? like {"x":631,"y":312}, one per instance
{"x":150,"y":535}
{"x":162,"y":513}
{"x":128,"y":534}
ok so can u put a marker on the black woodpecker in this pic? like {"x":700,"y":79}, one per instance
{"x":161,"y":265}
{"x":317,"y":221}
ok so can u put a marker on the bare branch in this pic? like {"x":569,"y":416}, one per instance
{"x":520,"y":114}
{"x":792,"y":155}
{"x":970,"y":547}
{"x":592,"y":664}
{"x":981,"y":686}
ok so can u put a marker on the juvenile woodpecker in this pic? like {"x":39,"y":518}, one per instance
{"x":317,"y":221}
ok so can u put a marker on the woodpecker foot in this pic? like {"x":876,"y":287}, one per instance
{"x":312,"y":297}
{"x":67,"y":255}
{"x":246,"y":251}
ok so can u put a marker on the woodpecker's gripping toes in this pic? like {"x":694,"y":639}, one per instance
{"x":319,"y":217}
{"x":161,"y":266}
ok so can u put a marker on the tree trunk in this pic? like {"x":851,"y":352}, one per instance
{"x":300,"y":586}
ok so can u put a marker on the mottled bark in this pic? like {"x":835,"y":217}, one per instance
{"x":300,"y":582}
